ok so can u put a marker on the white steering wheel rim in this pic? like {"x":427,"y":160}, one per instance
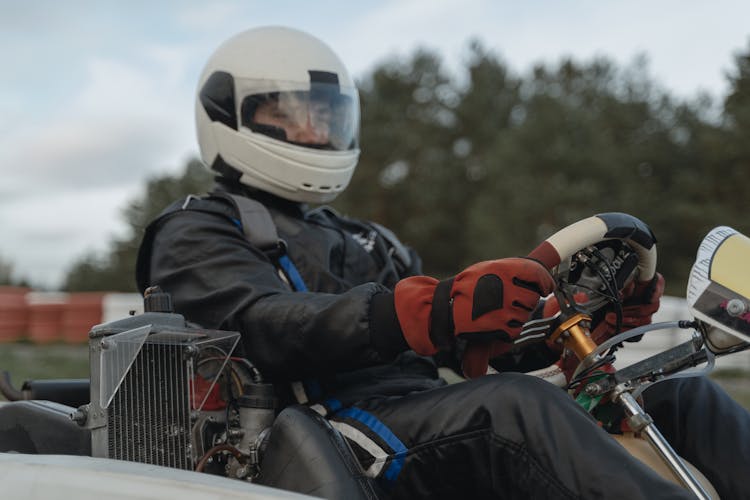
{"x":608,"y":226}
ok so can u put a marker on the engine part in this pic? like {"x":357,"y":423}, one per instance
{"x":151,"y":375}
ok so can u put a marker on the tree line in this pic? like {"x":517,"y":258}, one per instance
{"x":489,"y":163}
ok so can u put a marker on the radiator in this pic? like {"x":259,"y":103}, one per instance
{"x":148,"y":384}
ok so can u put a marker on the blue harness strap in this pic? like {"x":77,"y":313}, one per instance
{"x":291,"y":272}
{"x":381,"y":430}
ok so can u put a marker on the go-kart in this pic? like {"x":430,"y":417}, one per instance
{"x":169,"y":411}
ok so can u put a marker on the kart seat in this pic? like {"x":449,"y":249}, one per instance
{"x":307,"y":455}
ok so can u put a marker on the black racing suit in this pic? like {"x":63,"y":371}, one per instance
{"x":507,"y":435}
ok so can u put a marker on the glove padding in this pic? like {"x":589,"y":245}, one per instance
{"x":486,"y":305}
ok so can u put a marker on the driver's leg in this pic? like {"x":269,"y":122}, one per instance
{"x":507,"y":435}
{"x":706,"y":427}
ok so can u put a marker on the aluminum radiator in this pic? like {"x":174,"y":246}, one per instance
{"x":149,"y":383}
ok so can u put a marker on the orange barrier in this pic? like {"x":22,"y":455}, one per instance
{"x":14,"y":314}
{"x":45,"y":316}
{"x":82,"y":311}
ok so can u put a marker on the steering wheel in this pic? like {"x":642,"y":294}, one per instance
{"x":564,"y":244}
{"x":579,"y":243}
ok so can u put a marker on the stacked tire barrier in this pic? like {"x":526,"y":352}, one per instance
{"x":14,"y":313}
{"x":47,"y":317}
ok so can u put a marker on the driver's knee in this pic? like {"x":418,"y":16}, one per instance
{"x":678,"y":406}
{"x":672,"y":399}
{"x":523,"y":397}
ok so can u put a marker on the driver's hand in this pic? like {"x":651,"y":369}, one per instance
{"x":486,"y":305}
{"x":639,"y":304}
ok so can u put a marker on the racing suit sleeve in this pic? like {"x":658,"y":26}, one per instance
{"x":219,"y":280}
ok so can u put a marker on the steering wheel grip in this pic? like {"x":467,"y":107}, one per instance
{"x":613,"y":225}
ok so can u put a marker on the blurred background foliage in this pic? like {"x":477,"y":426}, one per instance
{"x":488,"y":163}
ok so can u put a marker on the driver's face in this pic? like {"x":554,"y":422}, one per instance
{"x":305,"y":122}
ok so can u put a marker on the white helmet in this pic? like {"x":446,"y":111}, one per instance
{"x":277,"y":110}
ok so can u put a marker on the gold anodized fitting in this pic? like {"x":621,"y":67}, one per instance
{"x":577,"y":338}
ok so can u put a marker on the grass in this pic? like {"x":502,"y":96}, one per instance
{"x":26,"y":361}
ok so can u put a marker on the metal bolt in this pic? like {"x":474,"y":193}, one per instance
{"x":242,"y":472}
{"x":235,"y":433}
{"x":79,"y":416}
{"x":593,"y":389}
{"x":640,"y":421}
{"x":736,"y":307}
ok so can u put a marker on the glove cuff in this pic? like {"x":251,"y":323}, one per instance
{"x":385,"y":332}
{"x":413,"y":303}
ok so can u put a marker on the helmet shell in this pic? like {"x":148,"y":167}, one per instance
{"x":273,"y":60}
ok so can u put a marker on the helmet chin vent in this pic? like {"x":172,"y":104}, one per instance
{"x":310,"y":187}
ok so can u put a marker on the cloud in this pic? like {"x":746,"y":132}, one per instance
{"x":210,"y":16}
{"x":69,"y":169}
{"x":393,"y":29}
{"x":126,"y":121}
{"x":688,"y":43}
{"x":45,"y":234}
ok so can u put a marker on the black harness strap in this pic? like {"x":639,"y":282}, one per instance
{"x":254,"y":220}
{"x":257,"y":224}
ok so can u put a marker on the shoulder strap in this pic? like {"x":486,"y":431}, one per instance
{"x":260,"y":230}
{"x":255,"y":219}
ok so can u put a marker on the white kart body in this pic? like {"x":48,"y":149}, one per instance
{"x":65,"y":477}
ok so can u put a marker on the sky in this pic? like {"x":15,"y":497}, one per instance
{"x":96,"y":97}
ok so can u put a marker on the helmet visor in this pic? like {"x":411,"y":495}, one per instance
{"x":321,"y":118}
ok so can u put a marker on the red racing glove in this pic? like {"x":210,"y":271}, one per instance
{"x":486,"y":305}
{"x":640,"y":302}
